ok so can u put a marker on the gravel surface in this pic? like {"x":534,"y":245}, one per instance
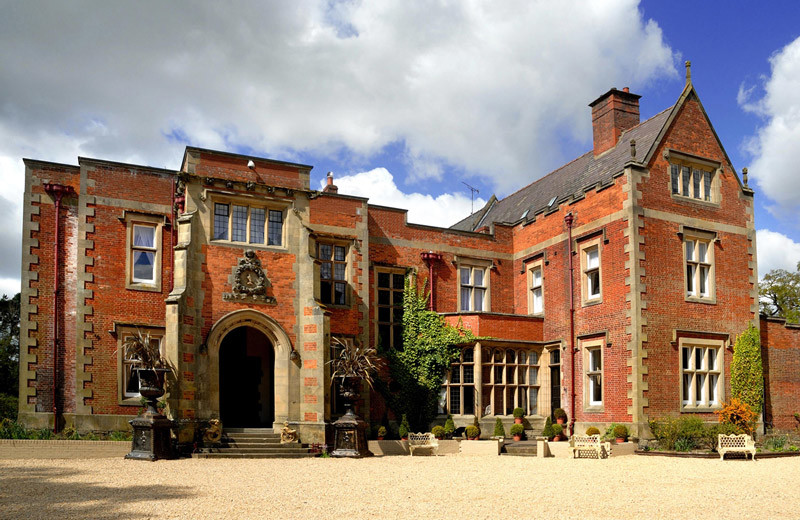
{"x":394,"y":487}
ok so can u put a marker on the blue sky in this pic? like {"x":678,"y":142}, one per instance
{"x":403,"y":101}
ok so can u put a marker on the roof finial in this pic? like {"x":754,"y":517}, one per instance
{"x":688,"y":72}
{"x":744,"y":176}
{"x":633,"y":148}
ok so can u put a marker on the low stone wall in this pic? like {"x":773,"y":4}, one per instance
{"x":381,"y":448}
{"x":62,"y":449}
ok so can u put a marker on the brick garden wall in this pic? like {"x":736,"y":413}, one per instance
{"x":780,"y":355}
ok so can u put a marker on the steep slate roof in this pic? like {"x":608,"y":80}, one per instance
{"x":572,"y":179}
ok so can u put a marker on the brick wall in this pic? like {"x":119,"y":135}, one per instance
{"x":780,"y":355}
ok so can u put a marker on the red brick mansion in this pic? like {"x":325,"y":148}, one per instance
{"x":614,"y":287}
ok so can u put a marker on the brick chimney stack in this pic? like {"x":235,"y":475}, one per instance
{"x":613,"y":113}
{"x":330,"y":187}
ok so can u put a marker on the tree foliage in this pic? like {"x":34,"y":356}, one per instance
{"x":779,"y":294}
{"x":9,"y":345}
{"x":747,"y":373}
{"x":430,"y":345}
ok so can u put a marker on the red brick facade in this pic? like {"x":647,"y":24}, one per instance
{"x":626,"y":216}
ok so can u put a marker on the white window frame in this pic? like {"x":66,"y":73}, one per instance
{"x":133,"y":220}
{"x":474,"y":264}
{"x":586,"y":285}
{"x":694,"y":266}
{"x":536,"y":288}
{"x":123,"y":332}
{"x":455,"y":384}
{"x":590,"y":347}
{"x":704,"y":376}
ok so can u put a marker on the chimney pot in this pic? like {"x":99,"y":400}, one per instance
{"x":330,"y":187}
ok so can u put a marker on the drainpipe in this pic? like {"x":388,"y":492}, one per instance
{"x":429,"y":258}
{"x":569,"y":219}
{"x":56,"y":191}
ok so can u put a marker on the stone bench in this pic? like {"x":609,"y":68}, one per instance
{"x":422,"y":440}
{"x":590,"y":444}
{"x":742,"y":443}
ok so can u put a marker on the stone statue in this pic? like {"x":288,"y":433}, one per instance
{"x":213,"y":432}
{"x":287,"y":434}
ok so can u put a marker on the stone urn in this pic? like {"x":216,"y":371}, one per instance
{"x":151,"y":430}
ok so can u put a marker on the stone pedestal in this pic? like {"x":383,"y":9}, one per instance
{"x":350,"y":437}
{"x":151,"y":438}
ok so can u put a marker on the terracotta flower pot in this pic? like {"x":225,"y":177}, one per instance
{"x":517,"y":438}
{"x":620,"y":440}
{"x":517,"y":420}
{"x":380,"y":437}
{"x":560,"y":420}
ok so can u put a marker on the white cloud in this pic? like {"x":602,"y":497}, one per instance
{"x":378,"y":185}
{"x":9,"y":286}
{"x":487,"y":88}
{"x":775,"y":146}
{"x":776,"y":251}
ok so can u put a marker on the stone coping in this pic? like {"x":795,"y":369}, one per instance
{"x":62,"y":449}
{"x":715,"y":455}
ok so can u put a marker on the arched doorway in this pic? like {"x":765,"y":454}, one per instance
{"x":247,"y":379}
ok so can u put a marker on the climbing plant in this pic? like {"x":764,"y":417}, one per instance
{"x":417,"y":371}
{"x":747,"y":374}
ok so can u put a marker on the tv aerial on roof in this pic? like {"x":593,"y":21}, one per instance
{"x":473,"y":191}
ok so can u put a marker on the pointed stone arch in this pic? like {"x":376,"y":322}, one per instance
{"x":280,"y":343}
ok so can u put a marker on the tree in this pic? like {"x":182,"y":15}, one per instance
{"x":9,"y":345}
{"x":430,"y":345}
{"x":747,"y":374}
{"x":779,"y":294}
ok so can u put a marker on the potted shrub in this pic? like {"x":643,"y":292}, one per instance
{"x":558,"y":432}
{"x":560,"y":415}
{"x":621,"y":433}
{"x":438,"y":432}
{"x":548,"y":429}
{"x":404,"y":428}
{"x":472,"y":432}
{"x":449,"y":427}
{"x":517,"y":431}
{"x":499,"y":430}
{"x":381,"y":433}
{"x":591,"y":430}
{"x":519,"y":415}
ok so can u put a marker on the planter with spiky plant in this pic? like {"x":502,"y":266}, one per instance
{"x":355,"y":364}
{"x":151,"y":430}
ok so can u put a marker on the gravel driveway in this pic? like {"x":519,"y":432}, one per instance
{"x":456,"y":487}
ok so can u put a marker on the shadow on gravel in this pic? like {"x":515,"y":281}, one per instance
{"x":39,"y":493}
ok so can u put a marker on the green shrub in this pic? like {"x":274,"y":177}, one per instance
{"x":684,"y":444}
{"x":449,"y":426}
{"x":747,"y":373}
{"x":438,"y":432}
{"x":548,"y":429}
{"x":404,"y":427}
{"x":609,"y":433}
{"x":621,"y":431}
{"x":120,"y":436}
{"x":12,"y":430}
{"x":776,"y":443}
{"x":518,"y":429}
{"x":591,"y":430}
{"x":472,"y":431}
{"x":559,"y":413}
{"x":669,"y":430}
{"x":499,"y":430}
{"x":8,"y":407}
{"x":519,"y":413}
{"x":381,"y":431}
{"x":558,"y":429}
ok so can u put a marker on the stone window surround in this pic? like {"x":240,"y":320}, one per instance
{"x":719,"y":345}
{"x":391,"y":271}
{"x":588,"y":345}
{"x":710,"y":238}
{"x":448,"y":386}
{"x":531,"y":268}
{"x":486,"y":265}
{"x":123,"y":330}
{"x":131,"y":218}
{"x":250,"y":201}
{"x":347,"y":243}
{"x":674,"y":157}
{"x":517,"y":384}
{"x":597,"y":243}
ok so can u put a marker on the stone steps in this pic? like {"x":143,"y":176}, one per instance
{"x":254,"y":443}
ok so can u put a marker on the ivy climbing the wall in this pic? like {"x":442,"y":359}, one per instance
{"x":747,"y":374}
{"x":430,"y":345}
